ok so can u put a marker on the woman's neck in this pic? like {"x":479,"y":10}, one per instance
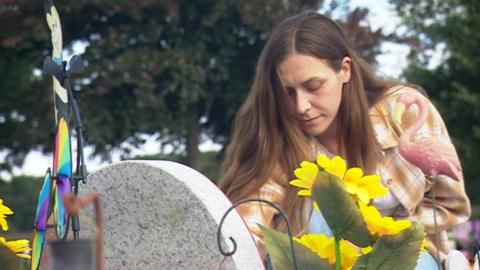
{"x":329,"y":140}
{"x":330,"y":145}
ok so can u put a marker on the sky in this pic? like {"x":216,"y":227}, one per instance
{"x":390,"y":63}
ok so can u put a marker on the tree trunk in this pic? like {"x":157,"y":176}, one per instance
{"x":193,"y":133}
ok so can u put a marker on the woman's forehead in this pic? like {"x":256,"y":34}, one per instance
{"x":300,"y":68}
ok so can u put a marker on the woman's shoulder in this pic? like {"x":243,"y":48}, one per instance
{"x":386,"y":130}
{"x":391,"y":95}
{"x":395,"y":91}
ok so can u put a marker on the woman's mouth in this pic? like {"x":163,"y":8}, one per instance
{"x":310,"y":120}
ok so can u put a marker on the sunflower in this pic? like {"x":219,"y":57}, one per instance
{"x":325,"y":248}
{"x":4,"y":210}
{"x":306,"y":175}
{"x":336,"y":166}
{"x":380,"y":226}
{"x":19,"y":247}
{"x":363,"y":187}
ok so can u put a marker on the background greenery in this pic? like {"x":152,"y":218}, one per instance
{"x":179,"y":70}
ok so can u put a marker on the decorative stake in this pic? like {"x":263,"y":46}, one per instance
{"x":77,"y":254}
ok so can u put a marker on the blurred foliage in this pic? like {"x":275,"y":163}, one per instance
{"x":177,"y":70}
{"x":8,"y":259}
{"x":21,"y":194}
{"x":450,"y":26}
{"x":208,"y":162}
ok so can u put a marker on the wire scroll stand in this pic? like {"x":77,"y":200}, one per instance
{"x":222,"y":220}
{"x":62,"y":75}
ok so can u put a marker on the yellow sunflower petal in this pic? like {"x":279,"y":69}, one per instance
{"x":323,"y":161}
{"x":3,"y":223}
{"x":304,"y":192}
{"x":378,"y":225}
{"x":362,"y":194}
{"x":19,"y":247}
{"x":349,"y":254}
{"x":366,"y":250}
{"x":299,"y":183}
{"x":351,"y":188}
{"x":308,"y":164}
{"x":376,"y":191}
{"x":353,"y":174}
{"x":307,"y":172}
{"x":24,"y":256}
{"x":5,"y":210}
{"x":337,"y":167}
{"x":401,"y":225}
{"x":370,"y":179}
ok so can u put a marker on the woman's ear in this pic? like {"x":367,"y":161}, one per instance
{"x":346,"y":69}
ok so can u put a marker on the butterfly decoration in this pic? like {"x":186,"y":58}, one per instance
{"x":57,"y":182}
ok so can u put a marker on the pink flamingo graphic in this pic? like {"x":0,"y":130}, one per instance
{"x":433,"y":156}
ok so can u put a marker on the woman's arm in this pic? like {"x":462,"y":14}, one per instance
{"x":255,"y":213}
{"x":410,"y":185}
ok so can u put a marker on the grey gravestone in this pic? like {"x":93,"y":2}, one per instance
{"x":164,"y":215}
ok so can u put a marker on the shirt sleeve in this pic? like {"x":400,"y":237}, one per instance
{"x":410,"y":185}
{"x":255,"y":213}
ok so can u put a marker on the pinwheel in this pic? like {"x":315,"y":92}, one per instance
{"x":40,"y":226}
{"x":57,"y":183}
{"x":62,"y":169}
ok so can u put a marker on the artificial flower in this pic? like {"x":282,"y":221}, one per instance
{"x":19,"y":247}
{"x":364,"y":187}
{"x":306,"y":175}
{"x":325,"y":248}
{"x":380,"y":226}
{"x":4,"y":210}
{"x":336,"y":166}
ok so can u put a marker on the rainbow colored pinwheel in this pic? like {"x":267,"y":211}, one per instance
{"x":41,"y":221}
{"x":62,"y":169}
{"x":57,"y":182}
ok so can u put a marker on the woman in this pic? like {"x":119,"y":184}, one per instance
{"x":312,"y":94}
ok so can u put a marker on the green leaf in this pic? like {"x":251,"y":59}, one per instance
{"x":339,"y":209}
{"x":278,"y":247}
{"x":399,"y":252}
{"x":361,"y":263}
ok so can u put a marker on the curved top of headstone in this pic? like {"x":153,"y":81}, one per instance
{"x":165,"y":215}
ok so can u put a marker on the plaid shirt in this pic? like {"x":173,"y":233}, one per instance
{"x":410,"y":190}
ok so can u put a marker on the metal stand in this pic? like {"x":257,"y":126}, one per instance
{"x":62,"y":75}
{"x":282,"y":213}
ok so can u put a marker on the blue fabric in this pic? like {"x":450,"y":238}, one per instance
{"x":426,"y":262}
{"x":318,"y":224}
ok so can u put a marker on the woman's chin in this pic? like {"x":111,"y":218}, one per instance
{"x":314,"y":131}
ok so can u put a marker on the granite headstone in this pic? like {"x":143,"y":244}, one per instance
{"x":165,"y":215}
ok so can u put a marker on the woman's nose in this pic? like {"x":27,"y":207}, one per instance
{"x":302,"y":103}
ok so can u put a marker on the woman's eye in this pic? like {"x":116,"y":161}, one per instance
{"x":313,"y":88}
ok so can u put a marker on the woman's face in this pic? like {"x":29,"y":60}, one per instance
{"x":315,"y":91}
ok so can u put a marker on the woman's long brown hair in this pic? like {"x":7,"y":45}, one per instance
{"x":267,"y":142}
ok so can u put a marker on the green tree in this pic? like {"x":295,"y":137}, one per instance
{"x":449,"y":25}
{"x":20,"y":194}
{"x":23,"y":95}
{"x":176,"y":69}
